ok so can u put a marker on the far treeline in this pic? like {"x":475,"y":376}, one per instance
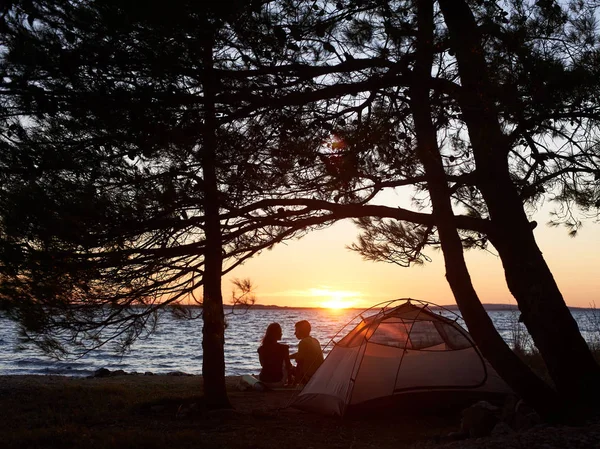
{"x":148,"y":151}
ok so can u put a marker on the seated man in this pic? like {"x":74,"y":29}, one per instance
{"x":309,"y":356}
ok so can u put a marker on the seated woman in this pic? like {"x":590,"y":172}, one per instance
{"x":274,"y":358}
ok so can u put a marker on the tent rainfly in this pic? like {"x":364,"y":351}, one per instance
{"x":403,"y":356}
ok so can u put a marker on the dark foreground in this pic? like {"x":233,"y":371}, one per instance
{"x":166,"y":412}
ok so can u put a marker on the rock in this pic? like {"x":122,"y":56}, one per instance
{"x":102,"y":372}
{"x":479,"y":419}
{"x":525,"y":417}
{"x":518,"y":415}
{"x":118,"y":372}
{"x":177,"y":373}
{"x":148,"y":373}
{"x":508,"y":410}
{"x":501,"y":428}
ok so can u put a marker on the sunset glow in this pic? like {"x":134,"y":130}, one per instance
{"x":338,"y":299}
{"x":319,"y":271}
{"x":336,"y":303}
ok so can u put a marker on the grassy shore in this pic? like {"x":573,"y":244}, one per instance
{"x":166,"y":412}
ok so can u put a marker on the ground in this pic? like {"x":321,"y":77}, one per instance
{"x":166,"y":412}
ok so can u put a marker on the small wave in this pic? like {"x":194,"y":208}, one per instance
{"x":31,"y":362}
{"x":68,"y":372}
{"x":177,"y":346}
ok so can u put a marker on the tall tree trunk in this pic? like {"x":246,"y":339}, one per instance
{"x":213,"y":331}
{"x":520,"y":378}
{"x":544,"y":312}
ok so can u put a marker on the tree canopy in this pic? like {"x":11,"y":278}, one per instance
{"x":145,"y":153}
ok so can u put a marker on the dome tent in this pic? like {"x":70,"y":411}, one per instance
{"x":403,"y":355}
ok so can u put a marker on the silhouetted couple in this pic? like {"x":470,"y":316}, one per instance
{"x":277,"y":369}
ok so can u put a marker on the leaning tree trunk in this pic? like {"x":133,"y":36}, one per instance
{"x":213,"y":331}
{"x":520,"y":378}
{"x":544,"y":312}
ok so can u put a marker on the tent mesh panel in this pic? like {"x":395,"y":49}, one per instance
{"x":409,"y":329}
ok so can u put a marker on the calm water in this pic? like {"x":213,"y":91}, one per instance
{"x":176,"y":346}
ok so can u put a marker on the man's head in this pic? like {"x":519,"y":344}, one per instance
{"x":302,"y":329}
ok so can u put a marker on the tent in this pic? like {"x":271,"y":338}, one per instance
{"x":407,"y":354}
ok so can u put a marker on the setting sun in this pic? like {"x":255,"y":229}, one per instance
{"x":336,"y":299}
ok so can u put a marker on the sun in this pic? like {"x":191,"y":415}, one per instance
{"x":327,"y":298}
{"x":339,"y":300}
{"x":335,"y":303}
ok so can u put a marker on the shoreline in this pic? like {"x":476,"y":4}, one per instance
{"x":161,"y":411}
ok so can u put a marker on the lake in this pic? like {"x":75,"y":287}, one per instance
{"x":177,"y":344}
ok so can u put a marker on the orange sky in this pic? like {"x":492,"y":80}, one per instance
{"x":318,"y":271}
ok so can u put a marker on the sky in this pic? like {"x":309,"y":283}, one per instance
{"x":319,"y":271}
